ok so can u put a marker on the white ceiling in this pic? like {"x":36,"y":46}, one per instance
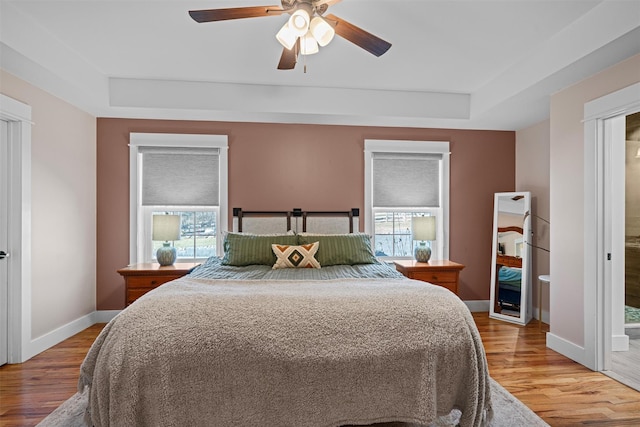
{"x":464,"y":64}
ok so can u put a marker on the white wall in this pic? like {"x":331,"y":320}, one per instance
{"x":567,"y":196}
{"x":63,"y":286}
{"x":532,"y":174}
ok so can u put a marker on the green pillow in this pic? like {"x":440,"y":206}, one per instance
{"x":247,"y":249}
{"x":337,"y":249}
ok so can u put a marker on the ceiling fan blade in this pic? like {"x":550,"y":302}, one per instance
{"x":358,"y":36}
{"x":289,"y":57}
{"x":209,"y":15}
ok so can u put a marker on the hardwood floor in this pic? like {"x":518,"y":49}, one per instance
{"x":32,"y":390}
{"x":559,"y":390}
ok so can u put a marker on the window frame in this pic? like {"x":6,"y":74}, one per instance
{"x":372,"y":146}
{"x":139,"y":244}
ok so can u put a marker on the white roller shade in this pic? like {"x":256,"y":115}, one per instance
{"x":406,"y":180}
{"x":180,"y":176}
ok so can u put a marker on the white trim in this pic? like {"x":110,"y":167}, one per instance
{"x":105,"y":316}
{"x":175,"y":140}
{"x":614,"y":104}
{"x":478,"y":306}
{"x":60,"y":334}
{"x":614,"y":161}
{"x":566,"y":348}
{"x":619,"y":343}
{"x":396,"y":146}
{"x":545,"y":315}
{"x":64,"y":332}
{"x":597,"y":295}
{"x":18,"y":116}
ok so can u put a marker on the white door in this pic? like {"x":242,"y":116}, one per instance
{"x":4,"y":249}
{"x":614,"y":213}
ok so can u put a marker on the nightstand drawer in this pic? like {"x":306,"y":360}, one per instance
{"x":148,"y":281}
{"x":443,"y":272}
{"x":438,"y":277}
{"x":141,"y":278}
{"x":452,"y":286}
{"x":134,"y":294}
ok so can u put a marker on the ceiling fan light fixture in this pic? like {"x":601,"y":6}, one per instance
{"x":322,"y":31}
{"x":308,"y":44}
{"x":286,"y":36}
{"x":299,"y":22}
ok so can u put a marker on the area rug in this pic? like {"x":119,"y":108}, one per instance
{"x":508,"y":412}
{"x":631,"y":315}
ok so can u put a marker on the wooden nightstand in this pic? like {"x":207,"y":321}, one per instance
{"x":444,"y":273}
{"x":141,"y":278}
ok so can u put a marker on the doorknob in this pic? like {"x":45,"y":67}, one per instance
{"x":3,"y":255}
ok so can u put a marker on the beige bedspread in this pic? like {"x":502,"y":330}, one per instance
{"x":198,"y":352}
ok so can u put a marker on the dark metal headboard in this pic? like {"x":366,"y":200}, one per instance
{"x":296,"y":213}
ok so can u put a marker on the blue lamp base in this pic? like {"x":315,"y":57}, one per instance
{"x":422,"y":252}
{"x":166,"y":255}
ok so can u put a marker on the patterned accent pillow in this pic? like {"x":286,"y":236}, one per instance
{"x":341,"y":249}
{"x":249,"y":249}
{"x":290,"y":256}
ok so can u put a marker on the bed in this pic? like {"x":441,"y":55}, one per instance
{"x":238,"y":342}
{"x":509,"y":287}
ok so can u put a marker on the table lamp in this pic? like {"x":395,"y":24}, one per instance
{"x":166,"y":228}
{"x":423,"y":228}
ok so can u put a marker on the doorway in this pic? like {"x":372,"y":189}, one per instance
{"x":4,"y":243}
{"x":15,"y":228}
{"x":632,"y":223}
{"x":604,"y":122}
{"x":622,"y":365}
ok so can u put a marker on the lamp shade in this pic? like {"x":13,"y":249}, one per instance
{"x":286,"y":36}
{"x":308,"y":44}
{"x":322,"y":31}
{"x":166,"y":227}
{"x":423,"y":227}
{"x":299,"y":22}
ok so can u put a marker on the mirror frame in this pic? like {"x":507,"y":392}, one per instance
{"x":525,"y":284}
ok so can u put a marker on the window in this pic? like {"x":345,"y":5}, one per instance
{"x":183,"y":175}
{"x":405,"y":179}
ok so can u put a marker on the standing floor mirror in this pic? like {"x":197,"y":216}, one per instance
{"x":511,"y":258}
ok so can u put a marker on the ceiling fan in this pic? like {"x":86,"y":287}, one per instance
{"x":305,"y":30}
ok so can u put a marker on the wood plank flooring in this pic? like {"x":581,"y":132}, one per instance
{"x":559,"y":390}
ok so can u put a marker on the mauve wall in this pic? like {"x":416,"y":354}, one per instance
{"x":282,"y":166}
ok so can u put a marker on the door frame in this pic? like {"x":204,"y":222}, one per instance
{"x":597,"y":223}
{"x":18,"y":116}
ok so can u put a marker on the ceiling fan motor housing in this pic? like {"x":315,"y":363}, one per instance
{"x":307,"y":5}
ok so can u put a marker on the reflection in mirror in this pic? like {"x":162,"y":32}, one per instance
{"x":510,"y":284}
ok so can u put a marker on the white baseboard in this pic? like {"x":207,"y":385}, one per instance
{"x":477,"y":305}
{"x":566,"y":348}
{"x":620,"y":343}
{"x":48,"y":340}
{"x":105,"y":316}
{"x":545,"y":315}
